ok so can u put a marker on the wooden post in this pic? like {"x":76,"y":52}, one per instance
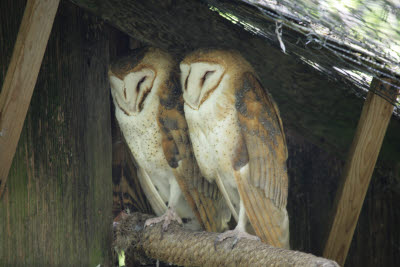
{"x":359,"y":167}
{"x":21,"y":77}
{"x":56,"y":206}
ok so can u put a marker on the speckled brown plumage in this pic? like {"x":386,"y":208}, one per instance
{"x":149,"y":110}
{"x":203,"y":196}
{"x":238,"y":139}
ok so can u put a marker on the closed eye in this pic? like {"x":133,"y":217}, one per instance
{"x":140,"y":83}
{"x":143,"y":98}
{"x":186,"y":81}
{"x":205,"y":76}
{"x":145,"y":92}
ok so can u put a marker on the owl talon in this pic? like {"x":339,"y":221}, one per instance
{"x":169,"y":216}
{"x":237,"y":235}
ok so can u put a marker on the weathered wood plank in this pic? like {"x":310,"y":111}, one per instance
{"x":21,"y":77}
{"x":357,"y":173}
{"x":56,"y":208}
{"x":314,"y":175}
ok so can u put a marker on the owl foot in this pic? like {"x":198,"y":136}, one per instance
{"x":237,"y":234}
{"x":169,"y":216}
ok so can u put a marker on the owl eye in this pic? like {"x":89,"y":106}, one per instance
{"x":140,"y":83}
{"x":186,"y":81}
{"x":205,"y":76}
{"x":143,"y":99}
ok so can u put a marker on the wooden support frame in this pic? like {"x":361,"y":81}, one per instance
{"x":359,"y":167}
{"x":21,"y":77}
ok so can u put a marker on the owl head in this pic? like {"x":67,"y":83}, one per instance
{"x":137,"y":77}
{"x":207,"y":70}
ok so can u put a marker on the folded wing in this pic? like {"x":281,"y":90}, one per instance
{"x":263,"y":187}
{"x":204,"y":198}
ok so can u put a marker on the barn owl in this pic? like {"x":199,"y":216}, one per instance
{"x":238,"y":141}
{"x":149,"y":109}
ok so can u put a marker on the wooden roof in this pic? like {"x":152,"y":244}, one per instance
{"x":323,"y":109}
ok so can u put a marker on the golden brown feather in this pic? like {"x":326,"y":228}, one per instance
{"x":258,"y":156}
{"x":267,"y":187}
{"x":204,"y":197}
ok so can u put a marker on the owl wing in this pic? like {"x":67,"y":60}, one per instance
{"x":204,"y":197}
{"x":264,"y":187}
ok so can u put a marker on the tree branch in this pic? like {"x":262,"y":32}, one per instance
{"x":183,"y":247}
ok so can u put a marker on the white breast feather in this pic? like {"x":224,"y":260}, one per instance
{"x":214,"y":140}
{"x":143,"y":136}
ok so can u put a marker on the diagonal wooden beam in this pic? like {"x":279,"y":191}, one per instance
{"x":21,"y":77}
{"x":359,"y":167}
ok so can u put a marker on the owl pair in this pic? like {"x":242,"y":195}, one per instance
{"x":207,"y":140}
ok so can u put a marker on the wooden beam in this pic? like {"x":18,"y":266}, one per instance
{"x":21,"y":77}
{"x":357,"y":173}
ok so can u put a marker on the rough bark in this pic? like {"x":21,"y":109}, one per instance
{"x":183,"y":247}
{"x":56,"y":209}
{"x":325,"y":111}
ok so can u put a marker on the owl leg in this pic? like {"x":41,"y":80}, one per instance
{"x":240,"y":230}
{"x":170,"y":215}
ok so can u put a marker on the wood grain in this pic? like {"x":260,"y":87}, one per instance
{"x":358,"y":170}
{"x":56,"y":208}
{"x":21,"y":77}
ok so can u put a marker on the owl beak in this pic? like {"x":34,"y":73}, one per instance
{"x":192,"y":104}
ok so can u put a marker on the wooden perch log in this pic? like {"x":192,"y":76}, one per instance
{"x":183,"y":247}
